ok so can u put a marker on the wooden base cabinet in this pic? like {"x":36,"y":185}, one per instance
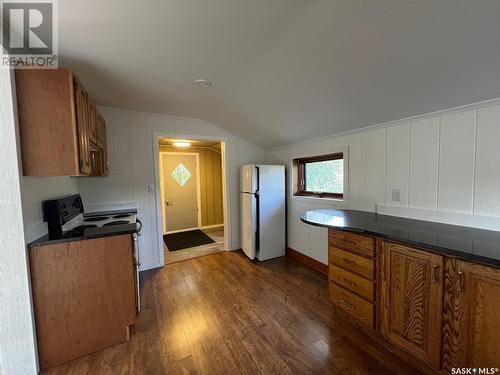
{"x":83,"y":296}
{"x":410,"y":305}
{"x":435,"y":311}
{"x":351,"y":275}
{"x":471,"y":315}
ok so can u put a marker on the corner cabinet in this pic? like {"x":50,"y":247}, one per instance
{"x":411,"y":290}
{"x":61,"y":132}
{"x":471,"y":315}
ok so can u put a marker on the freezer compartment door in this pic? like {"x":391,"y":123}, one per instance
{"x":248,"y":178}
{"x":248,"y":224}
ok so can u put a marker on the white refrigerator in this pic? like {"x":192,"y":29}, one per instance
{"x":263,"y":226}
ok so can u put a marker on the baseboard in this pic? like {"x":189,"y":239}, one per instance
{"x":308,"y":261}
{"x":194,"y":228}
{"x":181,"y":230}
{"x":212,"y":226}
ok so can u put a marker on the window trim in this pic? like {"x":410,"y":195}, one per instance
{"x":299,"y":178}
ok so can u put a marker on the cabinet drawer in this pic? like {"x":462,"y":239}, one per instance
{"x":351,"y":304}
{"x":356,"y":264}
{"x":357,"y":284}
{"x":356,"y":243}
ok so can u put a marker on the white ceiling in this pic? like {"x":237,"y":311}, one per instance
{"x":284,"y":70}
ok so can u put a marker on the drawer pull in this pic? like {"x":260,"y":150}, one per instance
{"x":348,"y":261}
{"x":348,"y":281}
{"x":347,"y":304}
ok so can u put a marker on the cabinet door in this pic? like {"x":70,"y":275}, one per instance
{"x":471,"y":315}
{"x":411,"y":300}
{"x":83,"y":126}
{"x":83,"y":296}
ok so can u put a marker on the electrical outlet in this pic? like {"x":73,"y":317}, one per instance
{"x":396,"y":195}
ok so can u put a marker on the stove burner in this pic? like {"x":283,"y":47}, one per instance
{"x":117,"y":222}
{"x":85,"y":226}
{"x":121,"y":216}
{"x":95,"y":218}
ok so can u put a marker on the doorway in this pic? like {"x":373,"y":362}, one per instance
{"x":180,"y":191}
{"x":192,"y":199}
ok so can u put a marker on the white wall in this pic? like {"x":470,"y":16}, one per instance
{"x":446,"y":166}
{"x":17,"y":340}
{"x":34,"y":190}
{"x":131,"y":175}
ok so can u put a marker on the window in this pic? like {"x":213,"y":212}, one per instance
{"x":320,"y":176}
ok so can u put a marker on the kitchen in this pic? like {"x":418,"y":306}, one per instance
{"x":373,"y":249}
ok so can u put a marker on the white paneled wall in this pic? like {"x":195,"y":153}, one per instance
{"x":34,"y":190}
{"x":397,"y":164}
{"x":456,"y":161}
{"x":424,"y":135}
{"x":487,"y":178}
{"x":131,"y":175}
{"x":446,"y":167}
{"x":375,"y":168}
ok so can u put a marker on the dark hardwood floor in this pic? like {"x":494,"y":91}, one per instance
{"x":223,"y":314}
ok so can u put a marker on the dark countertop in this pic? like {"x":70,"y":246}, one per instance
{"x":89,"y":233}
{"x":478,"y":245}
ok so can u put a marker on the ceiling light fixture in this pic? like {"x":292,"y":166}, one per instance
{"x":202,"y":82}
{"x":182,"y":144}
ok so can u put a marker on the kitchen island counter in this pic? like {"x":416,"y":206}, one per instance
{"x":478,"y":245}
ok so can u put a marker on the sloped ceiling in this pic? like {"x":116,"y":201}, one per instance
{"x":284,"y":70}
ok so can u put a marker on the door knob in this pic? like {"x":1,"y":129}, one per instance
{"x":168,"y":203}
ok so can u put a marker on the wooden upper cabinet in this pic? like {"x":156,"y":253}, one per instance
{"x":411,"y":290}
{"x":58,"y":124}
{"x":471,"y":318}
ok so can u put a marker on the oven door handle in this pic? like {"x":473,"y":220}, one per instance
{"x":137,"y":265}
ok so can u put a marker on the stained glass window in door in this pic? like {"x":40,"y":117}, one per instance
{"x":181,"y":174}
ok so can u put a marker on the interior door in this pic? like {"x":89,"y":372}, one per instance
{"x":411,"y":300}
{"x":180,"y":192}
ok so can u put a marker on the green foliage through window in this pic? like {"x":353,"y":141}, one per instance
{"x":325,"y":176}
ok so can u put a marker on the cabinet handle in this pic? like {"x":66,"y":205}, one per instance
{"x":347,"y":304}
{"x":349,"y":261}
{"x":348,"y":281}
{"x":461,"y":279}
{"x":434,"y":273}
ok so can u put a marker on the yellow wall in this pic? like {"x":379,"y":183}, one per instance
{"x":210,"y":182}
